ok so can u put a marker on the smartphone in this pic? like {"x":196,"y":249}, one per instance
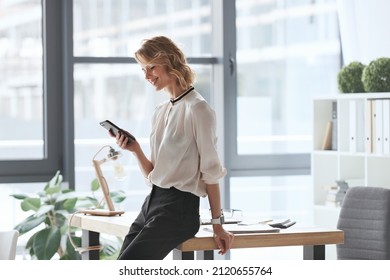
{"x":115,"y":130}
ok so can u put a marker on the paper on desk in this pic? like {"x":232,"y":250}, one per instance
{"x":250,"y":222}
{"x":207,"y":221}
{"x":254,"y":228}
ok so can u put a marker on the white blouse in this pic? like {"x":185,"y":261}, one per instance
{"x":183,"y":145}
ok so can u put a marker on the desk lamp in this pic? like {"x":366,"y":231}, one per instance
{"x":113,"y":155}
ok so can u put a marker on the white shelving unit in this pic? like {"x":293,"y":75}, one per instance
{"x":353,"y":160}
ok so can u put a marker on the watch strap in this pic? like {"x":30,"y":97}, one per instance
{"x":218,"y":221}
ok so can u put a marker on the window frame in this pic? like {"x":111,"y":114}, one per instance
{"x":20,"y":171}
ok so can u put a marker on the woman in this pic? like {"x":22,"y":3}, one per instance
{"x":184,"y":163}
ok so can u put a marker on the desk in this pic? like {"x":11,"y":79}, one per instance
{"x":313,"y":239}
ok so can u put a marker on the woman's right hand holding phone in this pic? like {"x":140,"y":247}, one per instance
{"x":144,"y":163}
{"x":128,"y":142}
{"x":123,"y":141}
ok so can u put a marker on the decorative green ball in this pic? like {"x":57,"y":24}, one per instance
{"x":349,"y":78}
{"x":376,"y":76}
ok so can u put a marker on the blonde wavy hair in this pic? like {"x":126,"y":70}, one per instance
{"x":161,"y":50}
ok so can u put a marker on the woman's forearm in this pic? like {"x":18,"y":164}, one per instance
{"x":213,"y":194}
{"x":144,"y":163}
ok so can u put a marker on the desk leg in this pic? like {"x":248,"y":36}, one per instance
{"x":314,"y":252}
{"x":179,"y":255}
{"x":205,"y":255}
{"x":90,"y":238}
{"x":200,"y":255}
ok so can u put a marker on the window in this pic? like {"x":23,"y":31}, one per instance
{"x":29,"y":91}
{"x":109,"y":84}
{"x":287,"y":52}
{"x":21,"y":88}
{"x":116,"y":28}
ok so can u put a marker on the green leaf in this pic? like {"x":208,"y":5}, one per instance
{"x":53,"y":190}
{"x":70,"y":204}
{"x":89,"y":199}
{"x":70,"y":252}
{"x":110,"y":249}
{"x":46,"y":243}
{"x":29,"y":223}
{"x":19,"y":196}
{"x":65,"y":196}
{"x":86,"y":203}
{"x":62,"y":213}
{"x":62,"y":222}
{"x":44,"y":210}
{"x":118,"y":196}
{"x":95,"y":185}
{"x":47,"y":186}
{"x":42,"y":194}
{"x":30,"y":243}
{"x":54,"y":185}
{"x":30,"y":203}
{"x":58,"y":179}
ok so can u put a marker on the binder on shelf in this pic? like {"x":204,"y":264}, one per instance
{"x":368,"y":126}
{"x":373,"y":125}
{"x":377,"y":126}
{"x":352,"y":126}
{"x":360,"y":134}
{"x":334,"y":125}
{"x":386,"y":126}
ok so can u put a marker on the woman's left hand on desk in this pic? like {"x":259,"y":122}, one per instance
{"x":223,"y":238}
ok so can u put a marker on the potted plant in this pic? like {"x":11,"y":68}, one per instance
{"x":51,"y":208}
{"x":349,"y":78}
{"x":376,"y":75}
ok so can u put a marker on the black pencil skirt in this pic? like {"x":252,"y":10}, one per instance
{"x":167,"y":218}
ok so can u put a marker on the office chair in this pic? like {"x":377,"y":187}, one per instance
{"x":365,"y":220}
{"x":8,"y":242}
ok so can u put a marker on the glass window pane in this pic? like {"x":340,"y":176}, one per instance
{"x":116,"y":27}
{"x":121,"y":94}
{"x":274,"y":197}
{"x":21,"y":95}
{"x":287,"y":52}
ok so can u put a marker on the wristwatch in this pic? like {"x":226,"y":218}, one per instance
{"x":218,"y":221}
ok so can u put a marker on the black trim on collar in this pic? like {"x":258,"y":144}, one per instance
{"x":174,"y":100}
